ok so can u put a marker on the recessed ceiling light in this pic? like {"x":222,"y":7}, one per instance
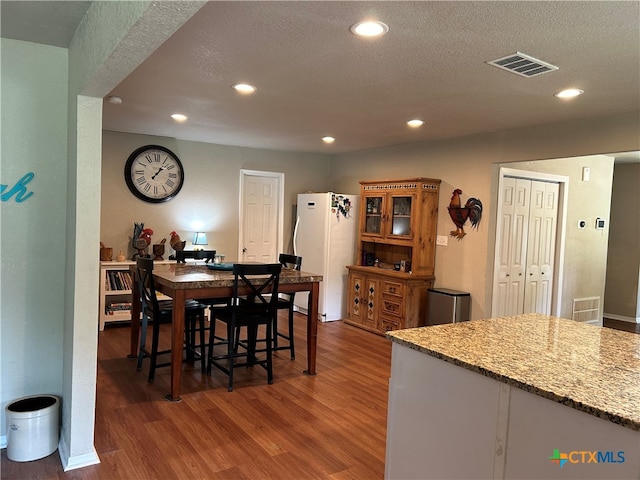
{"x":328,"y":139}
{"x":568,"y":93}
{"x":415,"y":123}
{"x":115,"y":100}
{"x":369,"y":28}
{"x":244,"y":88}
{"x":178,"y":117}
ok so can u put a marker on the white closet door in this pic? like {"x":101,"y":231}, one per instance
{"x":509,"y":282}
{"x":523,"y":273}
{"x":541,"y":241}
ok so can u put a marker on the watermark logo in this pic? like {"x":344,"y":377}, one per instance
{"x":585,"y":456}
{"x":559,"y":458}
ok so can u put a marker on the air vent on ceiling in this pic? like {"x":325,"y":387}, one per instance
{"x":523,"y":65}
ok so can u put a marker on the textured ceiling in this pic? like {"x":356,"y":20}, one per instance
{"x":315,"y":78}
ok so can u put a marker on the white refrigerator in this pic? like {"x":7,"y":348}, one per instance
{"x":325,"y":237}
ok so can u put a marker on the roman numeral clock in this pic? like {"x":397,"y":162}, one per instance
{"x":154,"y":174}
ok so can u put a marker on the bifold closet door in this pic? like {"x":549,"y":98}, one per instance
{"x":523,"y":270}
{"x":541,"y":243}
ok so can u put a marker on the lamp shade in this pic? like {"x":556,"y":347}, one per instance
{"x":200,"y":238}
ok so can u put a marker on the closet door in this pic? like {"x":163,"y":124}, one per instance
{"x":543,"y":218}
{"x":509,"y":274}
{"x":523,"y":272}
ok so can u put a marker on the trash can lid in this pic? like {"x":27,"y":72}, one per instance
{"x":448,"y":291}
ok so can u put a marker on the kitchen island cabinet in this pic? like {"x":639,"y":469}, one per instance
{"x":529,"y":396}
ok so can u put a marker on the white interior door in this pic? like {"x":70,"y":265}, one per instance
{"x":543,"y":219}
{"x":261,"y":216}
{"x":525,"y":249}
{"x":509,"y":284}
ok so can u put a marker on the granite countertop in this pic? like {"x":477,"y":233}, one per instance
{"x":592,"y":369}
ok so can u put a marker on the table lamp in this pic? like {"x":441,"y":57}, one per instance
{"x":200,"y":238}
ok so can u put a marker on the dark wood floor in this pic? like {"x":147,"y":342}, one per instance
{"x":330,"y":426}
{"x":620,"y":325}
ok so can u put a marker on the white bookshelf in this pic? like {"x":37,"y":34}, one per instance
{"x":115,"y":291}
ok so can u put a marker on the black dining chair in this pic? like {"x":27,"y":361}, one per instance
{"x":206,"y":255}
{"x":160,"y":312}
{"x":286,"y":302}
{"x":255,"y":281}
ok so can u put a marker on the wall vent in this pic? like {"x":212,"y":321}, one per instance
{"x":523,"y":65}
{"x":586,"y":309}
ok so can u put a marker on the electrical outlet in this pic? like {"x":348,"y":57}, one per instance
{"x":442,"y":240}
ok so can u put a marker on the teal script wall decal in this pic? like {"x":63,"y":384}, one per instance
{"x":19,"y":189}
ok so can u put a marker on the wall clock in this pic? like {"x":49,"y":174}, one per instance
{"x":154,"y":174}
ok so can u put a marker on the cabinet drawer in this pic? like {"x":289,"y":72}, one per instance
{"x":391,"y":305}
{"x":393,"y":288}
{"x":387,"y":324}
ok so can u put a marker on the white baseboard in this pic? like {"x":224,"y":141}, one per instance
{"x":3,"y":441}
{"x":622,"y":318}
{"x":78,"y":461}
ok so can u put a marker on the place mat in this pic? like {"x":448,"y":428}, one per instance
{"x":220,"y":266}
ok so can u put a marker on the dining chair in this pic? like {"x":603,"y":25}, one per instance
{"x":249,"y":280}
{"x":161,"y":312}
{"x":206,"y":255}
{"x":285,"y":302}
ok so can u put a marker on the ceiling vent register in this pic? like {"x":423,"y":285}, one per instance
{"x":523,"y":65}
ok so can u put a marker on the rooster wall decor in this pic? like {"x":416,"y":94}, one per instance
{"x":472,"y":210}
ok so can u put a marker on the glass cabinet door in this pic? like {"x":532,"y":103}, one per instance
{"x":373,"y":215}
{"x":401,"y":215}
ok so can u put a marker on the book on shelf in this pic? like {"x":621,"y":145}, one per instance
{"x":117,"y":307}
{"x":118,"y":280}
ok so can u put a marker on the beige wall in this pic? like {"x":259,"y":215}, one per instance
{"x":471,"y":164}
{"x":585,"y":249}
{"x":622,"y":295}
{"x":209,"y":195}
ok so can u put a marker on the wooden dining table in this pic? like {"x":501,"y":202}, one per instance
{"x":187,"y":281}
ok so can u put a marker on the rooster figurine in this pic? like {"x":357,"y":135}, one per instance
{"x":141,"y":239}
{"x":472,"y":210}
{"x":176,"y":243}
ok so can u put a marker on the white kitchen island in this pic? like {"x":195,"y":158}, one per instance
{"x":514,"y":397}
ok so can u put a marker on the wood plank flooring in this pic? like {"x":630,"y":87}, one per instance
{"x":622,"y":325}
{"x":329,"y":426}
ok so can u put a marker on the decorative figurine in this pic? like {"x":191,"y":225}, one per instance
{"x":176,"y":243}
{"x":158,"y":250}
{"x":141,"y":239}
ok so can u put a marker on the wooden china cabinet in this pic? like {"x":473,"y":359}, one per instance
{"x":395,"y":254}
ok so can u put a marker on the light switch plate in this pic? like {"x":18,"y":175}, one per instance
{"x":442,"y":240}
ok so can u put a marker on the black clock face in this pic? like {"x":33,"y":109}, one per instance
{"x":154,"y":174}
